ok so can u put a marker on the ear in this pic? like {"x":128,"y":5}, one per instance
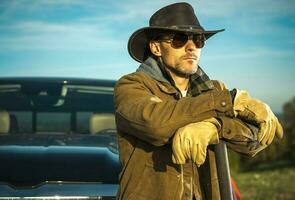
{"x":155,"y":48}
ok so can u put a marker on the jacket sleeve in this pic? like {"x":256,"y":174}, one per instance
{"x":141,"y":114}
{"x":240,"y":136}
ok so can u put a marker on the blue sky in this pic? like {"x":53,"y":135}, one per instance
{"x":88,"y":38}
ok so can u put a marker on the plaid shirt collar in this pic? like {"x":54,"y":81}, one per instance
{"x":199,"y":82}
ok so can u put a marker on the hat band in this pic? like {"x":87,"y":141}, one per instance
{"x":185,"y":27}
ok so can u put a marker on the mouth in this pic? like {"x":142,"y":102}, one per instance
{"x":190,"y":57}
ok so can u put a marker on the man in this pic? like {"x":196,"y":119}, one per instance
{"x":168,"y":113}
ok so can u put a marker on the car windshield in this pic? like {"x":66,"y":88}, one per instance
{"x":54,"y":108}
{"x":57,"y":131}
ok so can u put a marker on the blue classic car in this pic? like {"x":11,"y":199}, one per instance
{"x":57,"y":139}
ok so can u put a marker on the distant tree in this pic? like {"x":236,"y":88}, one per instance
{"x":289,"y":125}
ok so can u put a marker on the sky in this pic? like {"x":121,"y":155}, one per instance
{"x":88,"y":39}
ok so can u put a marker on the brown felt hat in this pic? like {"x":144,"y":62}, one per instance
{"x":178,"y":17}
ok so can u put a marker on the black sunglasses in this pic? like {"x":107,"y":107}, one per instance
{"x":178,"y":40}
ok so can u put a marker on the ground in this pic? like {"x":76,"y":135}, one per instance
{"x":267,"y":183}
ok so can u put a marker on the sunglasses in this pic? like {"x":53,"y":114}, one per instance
{"x":178,"y":40}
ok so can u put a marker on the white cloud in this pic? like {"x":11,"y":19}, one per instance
{"x":97,"y":70}
{"x":230,"y":8}
{"x":38,"y":35}
{"x":251,"y":53}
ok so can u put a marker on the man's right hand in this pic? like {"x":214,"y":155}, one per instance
{"x":190,"y":142}
{"x":253,"y":110}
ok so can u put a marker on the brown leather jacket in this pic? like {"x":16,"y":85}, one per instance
{"x":148,"y":112}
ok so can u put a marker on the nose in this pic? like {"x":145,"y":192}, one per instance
{"x":190,"y":46}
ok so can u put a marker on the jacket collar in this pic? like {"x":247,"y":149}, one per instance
{"x":199,"y":82}
{"x":150,"y":67}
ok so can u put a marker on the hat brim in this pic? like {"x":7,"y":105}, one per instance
{"x":139,"y":40}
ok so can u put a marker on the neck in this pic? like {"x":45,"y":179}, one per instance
{"x":180,"y":82}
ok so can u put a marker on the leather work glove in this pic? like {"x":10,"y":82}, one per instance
{"x":191,"y":141}
{"x":253,"y":110}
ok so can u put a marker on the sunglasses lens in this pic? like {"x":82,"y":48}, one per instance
{"x":199,"y":41}
{"x":179,"y":40}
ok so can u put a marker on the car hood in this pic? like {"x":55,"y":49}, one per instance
{"x":28,"y":161}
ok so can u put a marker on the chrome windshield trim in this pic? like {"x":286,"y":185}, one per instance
{"x":91,"y":89}
{"x":10,"y":87}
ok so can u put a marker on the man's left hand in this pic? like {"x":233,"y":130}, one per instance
{"x":253,"y":110}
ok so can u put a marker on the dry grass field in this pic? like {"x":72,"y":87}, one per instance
{"x":267,"y":184}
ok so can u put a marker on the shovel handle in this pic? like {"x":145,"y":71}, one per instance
{"x":225,"y":187}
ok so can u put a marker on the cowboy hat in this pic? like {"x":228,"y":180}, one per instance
{"x":178,"y":17}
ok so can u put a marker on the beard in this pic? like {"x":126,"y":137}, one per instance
{"x":181,"y":72}
{"x":181,"y":69}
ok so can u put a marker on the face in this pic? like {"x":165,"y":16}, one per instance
{"x":182,"y":60}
